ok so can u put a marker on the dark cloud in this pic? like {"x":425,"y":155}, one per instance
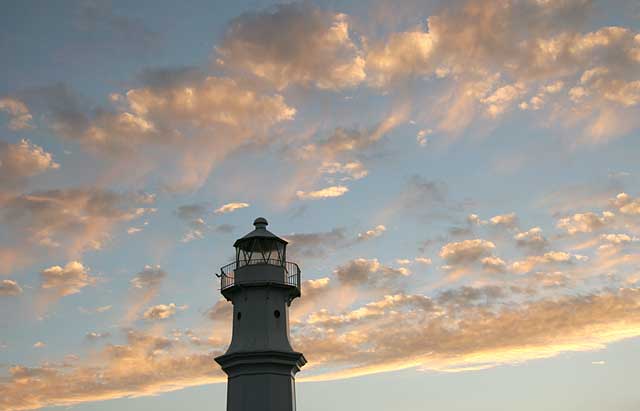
{"x":361,"y":271}
{"x":189,"y":212}
{"x":293,"y":44}
{"x":114,"y":31}
{"x":315,"y":245}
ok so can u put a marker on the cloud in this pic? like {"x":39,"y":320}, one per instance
{"x":144,"y":365}
{"x":67,"y":221}
{"x":370,"y":310}
{"x":553,"y":279}
{"x":161,"y":311}
{"x":66,"y":280}
{"x":459,"y":329}
{"x":505,"y":220}
{"x":328,"y":192}
{"x":22,"y":160}
{"x":421,"y":192}
{"x":133,"y":230}
{"x":494,"y":264}
{"x":315,"y":245}
{"x":361,"y":271}
{"x":426,"y":199}
{"x":149,"y":279}
{"x":222,"y":310}
{"x":585,"y":222}
{"x":353,"y":170}
{"x":196,"y":231}
{"x":19,"y":115}
{"x":532,"y":239}
{"x":462,"y":329}
{"x":353,"y":140}
{"x":9,"y":288}
{"x":180,"y":116}
{"x":192,"y":215}
{"x":376,"y":231}
{"x":94,"y":336}
{"x":145,"y":285}
{"x":189,"y":212}
{"x":337,"y":158}
{"x":124,"y":32}
{"x":230,"y":207}
{"x":403,"y":55}
{"x":467,"y":251}
{"x":616,"y":239}
{"x":468,"y":297}
{"x":627,"y":204}
{"x":476,"y":220}
{"x":293,"y":44}
{"x":423,"y":260}
{"x":99,"y":309}
{"x":494,"y":65}
{"x":39,"y":344}
{"x":531,"y":262}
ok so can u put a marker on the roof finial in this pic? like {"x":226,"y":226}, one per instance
{"x":261,"y":222}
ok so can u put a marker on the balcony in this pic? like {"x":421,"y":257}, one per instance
{"x":290,"y":277}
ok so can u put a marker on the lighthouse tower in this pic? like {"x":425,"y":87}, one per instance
{"x":260,"y":363}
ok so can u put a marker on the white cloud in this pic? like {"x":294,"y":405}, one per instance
{"x":352,"y":170}
{"x":627,"y":204}
{"x":493,"y":263}
{"x":376,"y":231}
{"x":532,"y":238}
{"x":328,"y":192}
{"x":230,"y":207}
{"x":585,"y":222}
{"x":423,"y":260}
{"x":552,"y":257}
{"x":507,"y":220}
{"x":66,"y":280}
{"x":161,"y":311}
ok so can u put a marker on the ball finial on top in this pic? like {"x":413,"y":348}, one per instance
{"x":260,"y":222}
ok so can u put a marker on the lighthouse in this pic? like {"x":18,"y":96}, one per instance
{"x":260,"y":362}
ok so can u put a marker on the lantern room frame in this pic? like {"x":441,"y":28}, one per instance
{"x":260,"y":247}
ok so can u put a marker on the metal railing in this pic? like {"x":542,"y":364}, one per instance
{"x":291,"y":271}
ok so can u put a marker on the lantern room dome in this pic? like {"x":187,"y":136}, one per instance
{"x":260,"y":231}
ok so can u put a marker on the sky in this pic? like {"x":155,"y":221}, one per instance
{"x":457,"y":180}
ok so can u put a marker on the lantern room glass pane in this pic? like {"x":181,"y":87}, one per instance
{"x":260,"y":250}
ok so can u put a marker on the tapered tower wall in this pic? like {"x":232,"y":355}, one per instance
{"x":260,"y":318}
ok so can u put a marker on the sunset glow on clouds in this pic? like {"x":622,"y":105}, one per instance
{"x":137,"y":144}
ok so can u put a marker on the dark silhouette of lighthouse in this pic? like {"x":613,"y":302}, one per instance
{"x":260,"y":363}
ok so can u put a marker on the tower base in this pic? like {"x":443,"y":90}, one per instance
{"x":262,"y":380}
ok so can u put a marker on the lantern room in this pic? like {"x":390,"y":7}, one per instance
{"x":260,"y":247}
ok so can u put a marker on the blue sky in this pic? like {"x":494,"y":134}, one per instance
{"x":458,"y":182}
